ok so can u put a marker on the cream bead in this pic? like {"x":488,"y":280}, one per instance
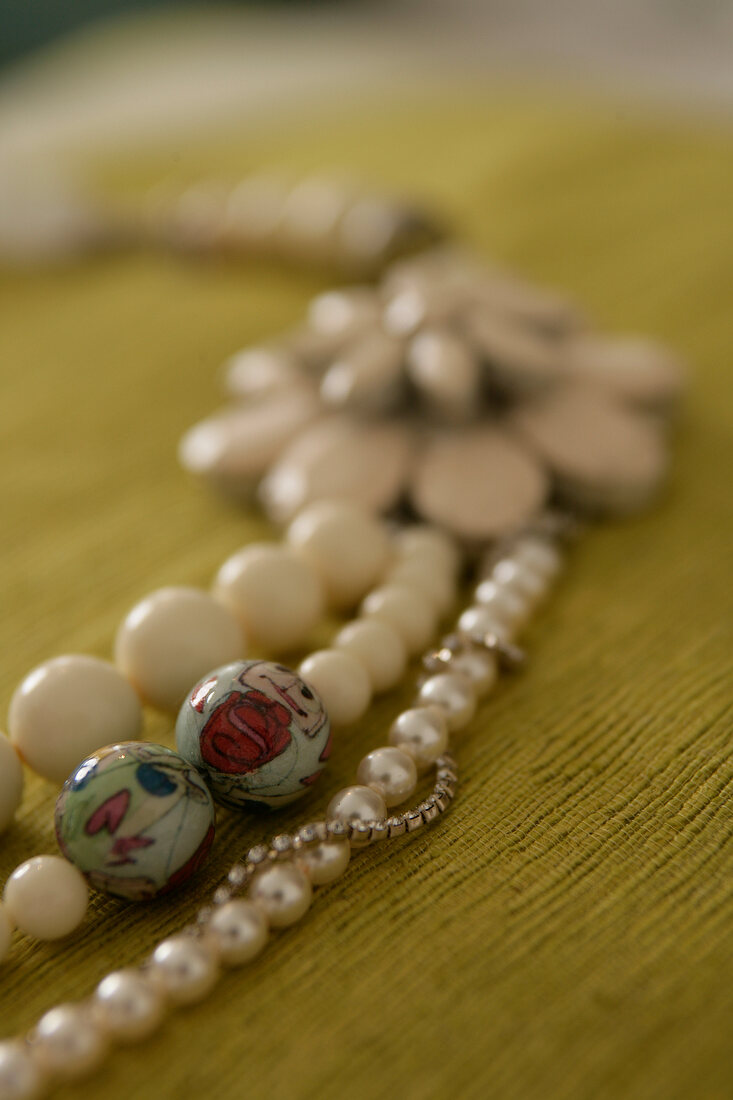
{"x":451,"y":693}
{"x":11,"y":782}
{"x":478,"y":622}
{"x":325,"y":861}
{"x":68,"y":1043}
{"x":127,"y":1005}
{"x":6,"y":934}
{"x":512,"y":574}
{"x":184,"y":968}
{"x":538,"y":555}
{"x":171,"y":639}
{"x":430,"y":545}
{"x":239,"y":930}
{"x":274,"y":594}
{"x":20,"y":1076}
{"x":46,"y":897}
{"x":436,"y":585}
{"x":407,"y":610}
{"x":283,"y":892}
{"x":341,"y":681}
{"x":390,"y":772}
{"x":354,"y":804}
{"x":345,"y":546}
{"x":422,"y":732}
{"x":379,"y":647}
{"x":68,"y":707}
{"x":479,"y":667}
{"x":504,"y":604}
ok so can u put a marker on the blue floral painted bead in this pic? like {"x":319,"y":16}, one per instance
{"x":136,"y":818}
{"x":257,"y":731}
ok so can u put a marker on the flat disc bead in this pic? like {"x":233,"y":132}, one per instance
{"x":136,"y":818}
{"x":171,"y":638}
{"x":283,"y":892}
{"x":422,"y":732}
{"x":345,"y":545}
{"x":274,"y":594}
{"x":11,"y":782}
{"x":46,"y":897}
{"x":390,"y":772}
{"x":379,"y":647}
{"x":259,"y":733}
{"x":405,"y":608}
{"x":342,"y":682}
{"x":239,"y":930}
{"x":68,"y":707}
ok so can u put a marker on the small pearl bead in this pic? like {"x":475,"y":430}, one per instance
{"x":68,"y":1042}
{"x":407,"y":610}
{"x":430,"y":545}
{"x":284,"y":893}
{"x":46,"y":897}
{"x":20,"y":1077}
{"x":356,"y":804}
{"x":274,"y":594}
{"x":479,"y":667}
{"x":6,"y":933}
{"x":435,"y":585}
{"x":504,"y":604}
{"x":342,"y":683}
{"x":68,"y":707}
{"x":239,"y":930}
{"x":379,"y":647}
{"x":127,"y":1005}
{"x":171,"y":639}
{"x":480,"y":621}
{"x":390,"y":772}
{"x":11,"y":782}
{"x":518,"y":578}
{"x":423,"y":733}
{"x":539,"y":556}
{"x":345,"y":546}
{"x":453,"y":694}
{"x":326,"y":861}
{"x":184,"y":968}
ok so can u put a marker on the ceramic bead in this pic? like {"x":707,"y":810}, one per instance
{"x":136,"y":818}
{"x":20,"y":1076}
{"x":326,"y":861}
{"x":127,"y":1005}
{"x":359,"y":803}
{"x":184,"y":968}
{"x":342,"y":682}
{"x":283,"y":892}
{"x":68,"y":707}
{"x":6,"y":933}
{"x":479,"y":667}
{"x":422,"y":732}
{"x":258,"y":732}
{"x":46,"y":897}
{"x":379,"y":647}
{"x":239,"y":930}
{"x":344,"y":545}
{"x":453,"y":694}
{"x":274,"y":594}
{"x":68,"y":1042}
{"x":407,"y":610}
{"x":11,"y":782}
{"x":170,"y":639}
{"x":390,"y":772}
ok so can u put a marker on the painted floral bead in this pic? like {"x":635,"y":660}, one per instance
{"x":257,"y":731}
{"x":136,"y":818}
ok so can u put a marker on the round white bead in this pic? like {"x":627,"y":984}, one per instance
{"x":453,"y":694}
{"x":407,"y":610}
{"x":341,"y":681}
{"x":357,"y":804}
{"x":6,"y":933}
{"x":274,"y":594}
{"x":344,"y":544}
{"x":379,"y":647}
{"x":11,"y":782}
{"x":171,"y":639}
{"x":515,"y":576}
{"x":68,"y":707}
{"x":127,"y":1005}
{"x":423,"y":733}
{"x":239,"y":930}
{"x":479,"y":667}
{"x":436,"y":585}
{"x":68,"y":1042}
{"x":480,"y":621}
{"x":505,"y":605}
{"x":390,"y":772}
{"x":184,"y":968}
{"x":538,"y":555}
{"x":20,"y":1077}
{"x":429,"y":545}
{"x":283,"y":891}
{"x":325,"y":861}
{"x":46,"y":897}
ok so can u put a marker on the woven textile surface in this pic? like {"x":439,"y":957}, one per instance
{"x":567,"y":930}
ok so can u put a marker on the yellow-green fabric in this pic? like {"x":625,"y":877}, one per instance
{"x":567,"y":930}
